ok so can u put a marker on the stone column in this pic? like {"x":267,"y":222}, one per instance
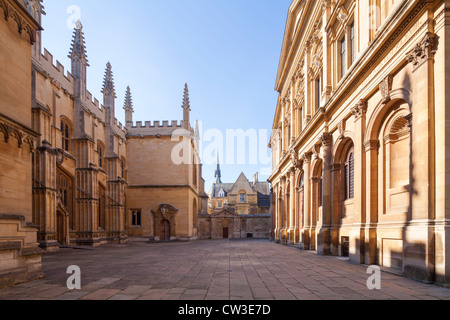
{"x":336,"y":205}
{"x":419,"y":247}
{"x":298,"y":218}
{"x":307,"y":200}
{"x":371,"y":149}
{"x":291,"y":230}
{"x":357,"y":234}
{"x":324,"y":222}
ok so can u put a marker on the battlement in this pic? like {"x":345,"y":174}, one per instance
{"x":56,"y":71}
{"x":149,"y":128}
{"x":94,"y":100}
{"x":158,"y":124}
{"x":58,"y":76}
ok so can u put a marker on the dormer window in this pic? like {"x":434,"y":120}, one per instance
{"x":222,"y":193}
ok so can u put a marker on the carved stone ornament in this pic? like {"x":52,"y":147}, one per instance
{"x":307,"y":157}
{"x":11,"y":131}
{"x":294,"y":158}
{"x":360,"y":109}
{"x":342,"y":14}
{"x":386,"y":88}
{"x":326,"y":139}
{"x":341,"y":128}
{"x":24,"y":24}
{"x":424,"y":50}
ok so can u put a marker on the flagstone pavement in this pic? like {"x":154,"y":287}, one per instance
{"x":212,"y":270}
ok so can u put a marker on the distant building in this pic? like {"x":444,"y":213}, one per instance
{"x":236,"y":210}
{"x":243,"y":197}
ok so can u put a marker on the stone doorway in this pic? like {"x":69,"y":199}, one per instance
{"x":165,"y":230}
{"x":60,"y":228}
{"x":225,"y":232}
{"x":165,"y":222}
{"x":345,"y":246}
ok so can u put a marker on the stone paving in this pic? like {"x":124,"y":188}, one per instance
{"x":212,"y":270}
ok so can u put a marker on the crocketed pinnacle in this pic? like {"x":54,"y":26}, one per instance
{"x":108,"y":81}
{"x":218,"y":173}
{"x":78,"y":47}
{"x":128,"y":105}
{"x":197,"y":131}
{"x":186,"y":102}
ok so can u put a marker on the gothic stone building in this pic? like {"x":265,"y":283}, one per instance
{"x":20,"y":255}
{"x":70,"y":173}
{"x":360,"y":148}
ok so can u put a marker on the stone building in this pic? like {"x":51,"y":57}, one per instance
{"x":71,"y":174}
{"x":236,"y":210}
{"x":242,"y":197}
{"x":20,"y":256}
{"x":359,"y":135}
{"x":165,"y":192}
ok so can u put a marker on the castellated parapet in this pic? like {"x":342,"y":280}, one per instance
{"x":156,"y":128}
{"x":65,"y":82}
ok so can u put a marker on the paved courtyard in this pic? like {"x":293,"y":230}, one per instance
{"x":212,"y":270}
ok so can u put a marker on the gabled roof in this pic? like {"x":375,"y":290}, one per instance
{"x":242,"y":183}
{"x":225,"y":213}
{"x":262,"y":188}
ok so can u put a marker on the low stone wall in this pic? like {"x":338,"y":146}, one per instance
{"x":234,"y":226}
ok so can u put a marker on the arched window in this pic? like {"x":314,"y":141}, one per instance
{"x":349,"y":175}
{"x":101,"y":154}
{"x":65,"y":133}
{"x":123,"y":166}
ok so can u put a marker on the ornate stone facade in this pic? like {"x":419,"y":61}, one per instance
{"x":71,"y":174}
{"x":369,"y":134}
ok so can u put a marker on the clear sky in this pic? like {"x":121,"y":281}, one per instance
{"x":226,"y":50}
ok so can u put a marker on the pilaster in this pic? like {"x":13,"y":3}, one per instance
{"x":358,"y":234}
{"x":324,"y":222}
{"x":307,"y":202}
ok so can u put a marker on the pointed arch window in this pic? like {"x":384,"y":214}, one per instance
{"x":101,"y":154}
{"x":65,"y":133}
{"x":349,"y":173}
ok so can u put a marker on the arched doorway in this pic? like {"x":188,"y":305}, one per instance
{"x":60,"y":228}
{"x":165,"y":230}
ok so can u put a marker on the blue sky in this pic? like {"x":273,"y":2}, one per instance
{"x":227,"y":52}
